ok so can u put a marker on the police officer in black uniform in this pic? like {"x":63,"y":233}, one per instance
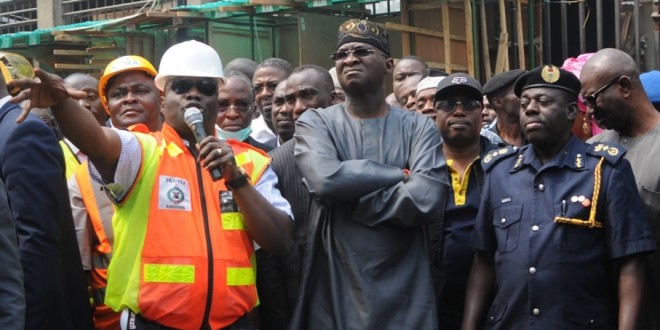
{"x":561,"y":229}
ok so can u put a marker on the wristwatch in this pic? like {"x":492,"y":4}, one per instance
{"x":238,"y":181}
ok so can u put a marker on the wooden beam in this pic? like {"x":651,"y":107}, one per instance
{"x":430,"y":5}
{"x":484,"y":40}
{"x":447,"y":38}
{"x":174,"y":14}
{"x":443,"y":66}
{"x":405,"y":37}
{"x":104,"y":49}
{"x":426,"y":32}
{"x":245,"y":9}
{"x":502,"y":63}
{"x":286,"y":3}
{"x":69,"y":52}
{"x":68,"y":66}
{"x":469,"y":37}
{"x":520,"y":36}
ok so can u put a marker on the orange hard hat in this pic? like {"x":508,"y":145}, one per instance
{"x":120,"y":65}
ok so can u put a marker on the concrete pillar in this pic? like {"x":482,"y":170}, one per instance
{"x":49,"y":13}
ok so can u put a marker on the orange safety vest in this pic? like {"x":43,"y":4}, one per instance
{"x":182,"y":257}
{"x":104,"y":317}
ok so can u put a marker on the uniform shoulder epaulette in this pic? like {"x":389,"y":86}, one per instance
{"x":494,"y":156}
{"x":612,"y":152}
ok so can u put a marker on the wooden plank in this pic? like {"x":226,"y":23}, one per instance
{"x":245,"y":9}
{"x":174,"y":14}
{"x":447,"y":40}
{"x":69,"y":66}
{"x":469,"y":37}
{"x":520,"y":37}
{"x":286,"y":3}
{"x":501,"y":64}
{"x":426,"y":32}
{"x":430,"y":5}
{"x":443,"y":66}
{"x":104,"y":49}
{"x":405,"y":37}
{"x":484,"y":40}
{"x":69,"y":52}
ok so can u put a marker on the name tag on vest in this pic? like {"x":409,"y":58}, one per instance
{"x":173,"y":193}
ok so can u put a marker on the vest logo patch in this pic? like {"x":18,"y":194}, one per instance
{"x":173,"y":193}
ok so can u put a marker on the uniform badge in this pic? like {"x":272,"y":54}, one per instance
{"x":578,"y":161}
{"x":488,"y":158}
{"x":550,"y":74}
{"x":612,"y":151}
{"x":519,"y":161}
{"x":173,"y":193}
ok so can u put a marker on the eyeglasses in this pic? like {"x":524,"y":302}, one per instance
{"x":206,"y":87}
{"x":449,"y":106}
{"x":343,"y":54}
{"x":241,"y":107}
{"x":590,"y":100}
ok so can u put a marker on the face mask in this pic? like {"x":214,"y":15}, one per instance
{"x":241,"y":135}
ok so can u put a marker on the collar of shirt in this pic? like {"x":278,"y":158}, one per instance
{"x":4,"y":100}
{"x":572,"y":155}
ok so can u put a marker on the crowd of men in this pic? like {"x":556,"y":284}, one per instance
{"x":263,"y":196}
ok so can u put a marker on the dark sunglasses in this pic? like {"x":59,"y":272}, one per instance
{"x":590,"y":100}
{"x":450,"y":105}
{"x":343,"y":54}
{"x":206,"y":87}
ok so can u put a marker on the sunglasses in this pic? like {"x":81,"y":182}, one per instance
{"x":590,"y":100}
{"x":449,"y":106}
{"x":206,"y":87}
{"x":343,"y":54}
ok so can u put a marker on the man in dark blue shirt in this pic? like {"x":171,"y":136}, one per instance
{"x":457,"y":109}
{"x":561,"y":231}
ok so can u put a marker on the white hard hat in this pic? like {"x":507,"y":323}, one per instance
{"x":189,"y":59}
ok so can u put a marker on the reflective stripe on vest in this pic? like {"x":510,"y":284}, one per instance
{"x":169,"y":280}
{"x":70,"y":160}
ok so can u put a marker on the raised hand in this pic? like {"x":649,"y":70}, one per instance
{"x":43,"y":91}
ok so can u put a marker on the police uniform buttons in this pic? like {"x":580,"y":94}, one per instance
{"x":503,"y":221}
{"x":535,"y":228}
{"x":592,"y":321}
{"x":492,"y":318}
{"x":536,"y":311}
{"x":532,"y":270}
{"x":581,"y":199}
{"x":541,"y":187}
{"x":574,"y":199}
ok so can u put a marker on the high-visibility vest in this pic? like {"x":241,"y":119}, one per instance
{"x":181,"y":251}
{"x":70,"y":160}
{"x":91,"y":193}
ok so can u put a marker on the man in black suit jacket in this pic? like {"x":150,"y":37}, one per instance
{"x":32,"y":168}
{"x":12,"y":294}
{"x":308,"y":87}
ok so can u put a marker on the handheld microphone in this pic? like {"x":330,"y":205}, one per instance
{"x":195,"y":120}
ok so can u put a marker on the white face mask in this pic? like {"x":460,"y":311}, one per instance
{"x":241,"y":135}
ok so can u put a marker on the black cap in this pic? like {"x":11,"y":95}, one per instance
{"x":459,"y":82}
{"x":501,"y":80}
{"x":548,"y":76}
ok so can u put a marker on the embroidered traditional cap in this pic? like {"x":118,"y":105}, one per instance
{"x":651,"y":82}
{"x":459,"y":82}
{"x":501,"y":80}
{"x":361,"y":30}
{"x":548,"y":76}
{"x":428,"y":82}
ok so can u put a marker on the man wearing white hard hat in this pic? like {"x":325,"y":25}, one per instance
{"x":183,"y":242}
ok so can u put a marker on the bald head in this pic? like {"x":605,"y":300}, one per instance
{"x":611,"y":62}
{"x":243,"y":65}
